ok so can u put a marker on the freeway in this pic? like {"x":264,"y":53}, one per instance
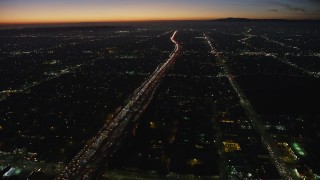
{"x":267,"y":141}
{"x":86,"y":164}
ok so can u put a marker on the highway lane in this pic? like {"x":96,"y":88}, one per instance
{"x":267,"y":141}
{"x":102,"y":146}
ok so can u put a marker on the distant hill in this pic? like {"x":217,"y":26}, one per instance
{"x":261,"y":20}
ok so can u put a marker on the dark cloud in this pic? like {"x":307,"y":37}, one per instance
{"x":273,"y":10}
{"x":289,"y":6}
{"x":315,"y":1}
{"x":296,"y":9}
{"x":306,"y":1}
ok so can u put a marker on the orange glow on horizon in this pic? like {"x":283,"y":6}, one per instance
{"x":102,"y":20}
{"x":112,"y":13}
{"x":153,"y":11}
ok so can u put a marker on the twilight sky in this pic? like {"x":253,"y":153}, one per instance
{"x":46,"y":11}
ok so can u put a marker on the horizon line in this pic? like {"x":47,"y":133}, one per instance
{"x":142,"y":21}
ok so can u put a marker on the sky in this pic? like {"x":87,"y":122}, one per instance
{"x":57,"y":11}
